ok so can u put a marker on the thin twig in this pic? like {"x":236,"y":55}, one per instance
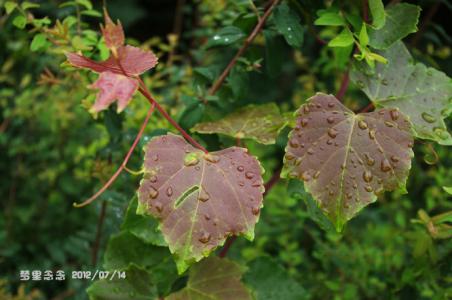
{"x":344,"y":86}
{"x":145,"y":92}
{"x":216,"y":86}
{"x":100,"y":224}
{"x":226,"y":246}
{"x":124,"y":163}
{"x":367,"y":108}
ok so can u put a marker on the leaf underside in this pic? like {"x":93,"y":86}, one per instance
{"x":200,"y":199}
{"x":423,"y":94}
{"x":214,"y":278}
{"x":345,"y":159}
{"x":259,"y":122}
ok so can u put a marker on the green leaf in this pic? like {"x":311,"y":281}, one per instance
{"x":125,"y":248}
{"x":192,"y":113}
{"x":264,"y":275}
{"x":27,"y":5}
{"x":330,"y":19}
{"x":344,"y":39}
{"x":20,"y":21}
{"x":363,"y":37}
{"x":91,"y":13}
{"x":420,"y":92}
{"x":261,"y":123}
{"x":448,"y":189}
{"x":137,"y":285}
{"x":346,"y":160}
{"x":9,"y":6}
{"x":214,"y":278}
{"x":296,"y":190}
{"x":377,"y":10}
{"x":401,"y":20}
{"x":288,"y":24}
{"x":144,"y":228}
{"x":200,"y":199}
{"x":86,"y":3}
{"x":39,"y":41}
{"x":275,"y":53}
{"x":226,"y":36}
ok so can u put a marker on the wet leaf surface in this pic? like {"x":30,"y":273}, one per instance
{"x":423,"y":94}
{"x":259,"y":122}
{"x":200,"y":199}
{"x":214,"y":278}
{"x":345,"y":159}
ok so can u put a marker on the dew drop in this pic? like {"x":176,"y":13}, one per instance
{"x":191,"y":159}
{"x":289,"y":156}
{"x":153,"y":179}
{"x":441,"y":133}
{"x":212,"y":158}
{"x":394,"y":158}
{"x":389,"y":124}
{"x":155,"y":157}
{"x":349,"y":195}
{"x":240,"y":168}
{"x":355,"y":186}
{"x":385,"y":165}
{"x":316,"y":174}
{"x":310,"y":151}
{"x":306,"y":109}
{"x":305,"y":176}
{"x":394,"y":114}
{"x":329,"y":142}
{"x":204,"y":238}
{"x":304,"y":122}
{"x":197,"y":168}
{"x":255,"y":210}
{"x":153,"y":193}
{"x":332,"y":132}
{"x":331,"y":192}
{"x":293,"y":174}
{"x":206,"y":217}
{"x":256,"y":183}
{"x":203,"y":195}
{"x":410,"y":144}
{"x":368,"y":188}
{"x":158,"y":206}
{"x":249,"y":175}
{"x":330,"y":119}
{"x":241,"y":183}
{"x":294,"y":143}
{"x":169,"y":191}
{"x":362,"y":124}
{"x":369,"y":160}
{"x":331,"y":104}
{"x":367,"y":176}
{"x":372,"y":134}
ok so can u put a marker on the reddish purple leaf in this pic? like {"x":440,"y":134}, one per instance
{"x":113,"y":87}
{"x":200,"y":199}
{"x":113,"y":34}
{"x":133,"y":61}
{"x":347,"y":159}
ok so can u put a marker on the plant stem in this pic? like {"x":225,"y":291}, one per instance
{"x":216,"y":86}
{"x":100,"y":224}
{"x":226,"y":246}
{"x":145,"y":92}
{"x":367,"y":108}
{"x":344,"y":86}
{"x":124,"y":163}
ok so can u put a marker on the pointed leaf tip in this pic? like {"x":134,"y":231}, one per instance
{"x":200,"y":199}
{"x":346,"y":160}
{"x":113,"y":33}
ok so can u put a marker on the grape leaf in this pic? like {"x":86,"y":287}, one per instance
{"x":133,"y":61}
{"x":113,"y":33}
{"x":288,"y":24}
{"x":401,"y":20}
{"x":345,"y":159}
{"x":423,"y":94}
{"x":259,"y":122}
{"x":265,"y":274}
{"x":448,"y":189}
{"x":137,"y":285}
{"x":200,"y":199}
{"x":113,"y":87}
{"x":214,"y":278}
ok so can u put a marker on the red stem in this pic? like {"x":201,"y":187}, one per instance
{"x":123,"y":165}
{"x":344,"y":86}
{"x":367,"y":108}
{"x":145,"y":92}
{"x":245,"y":46}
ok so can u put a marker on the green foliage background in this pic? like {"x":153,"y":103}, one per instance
{"x":54,"y":153}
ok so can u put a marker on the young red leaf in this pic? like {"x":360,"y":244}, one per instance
{"x":347,"y":159}
{"x":132,"y":60}
{"x":200,"y":199}
{"x":113,"y":87}
{"x":113,"y":34}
